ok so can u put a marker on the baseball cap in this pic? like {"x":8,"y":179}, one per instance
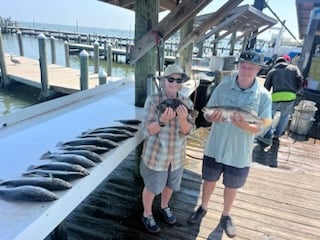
{"x":251,"y":56}
{"x":175,"y":69}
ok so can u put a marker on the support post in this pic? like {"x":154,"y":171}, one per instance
{"x":96,"y":56}
{"x":84,"y":74}
{"x":3,"y":67}
{"x":19,"y":34}
{"x":66,"y":53}
{"x":102,"y":77}
{"x":43,"y":66}
{"x":109,"y":60}
{"x":53,"y":50}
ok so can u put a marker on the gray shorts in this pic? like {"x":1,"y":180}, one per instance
{"x":232,"y":177}
{"x":156,"y":181}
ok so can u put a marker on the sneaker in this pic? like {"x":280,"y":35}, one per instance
{"x":228,"y":227}
{"x":196,"y":216}
{"x":150,"y":224}
{"x":168,"y":216}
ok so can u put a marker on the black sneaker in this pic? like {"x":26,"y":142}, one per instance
{"x":196,"y":216}
{"x":228,"y":227}
{"x":168,"y":216}
{"x":150,"y":224}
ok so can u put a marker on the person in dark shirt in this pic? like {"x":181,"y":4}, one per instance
{"x":285,"y":79}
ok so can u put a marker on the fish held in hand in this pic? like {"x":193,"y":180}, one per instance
{"x":228,"y":111}
{"x":174,"y":103}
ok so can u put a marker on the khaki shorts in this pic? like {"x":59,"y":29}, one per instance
{"x":156,"y":181}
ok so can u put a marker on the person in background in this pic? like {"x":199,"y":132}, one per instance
{"x":285,"y":80}
{"x":164,"y":147}
{"x":229,"y":146}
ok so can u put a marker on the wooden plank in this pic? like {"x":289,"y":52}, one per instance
{"x":209,"y":23}
{"x":168,"y":25}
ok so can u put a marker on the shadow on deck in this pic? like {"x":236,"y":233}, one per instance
{"x":276,"y":203}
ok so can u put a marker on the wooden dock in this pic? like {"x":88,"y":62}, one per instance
{"x":61,"y":79}
{"x":275,"y":204}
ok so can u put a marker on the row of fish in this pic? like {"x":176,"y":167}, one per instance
{"x":71,"y":161}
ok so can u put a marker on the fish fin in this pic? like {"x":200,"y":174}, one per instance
{"x":46,"y":155}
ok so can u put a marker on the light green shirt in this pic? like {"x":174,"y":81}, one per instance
{"x":227,"y":143}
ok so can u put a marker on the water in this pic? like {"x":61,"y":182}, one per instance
{"x":19,"y":96}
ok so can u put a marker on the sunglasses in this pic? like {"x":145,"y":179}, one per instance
{"x":250,"y":57}
{"x":171,"y":79}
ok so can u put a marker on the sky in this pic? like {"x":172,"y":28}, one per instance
{"x":94,"y":13}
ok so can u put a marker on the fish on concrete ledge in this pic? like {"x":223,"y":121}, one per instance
{"x":49,"y":183}
{"x":27,"y":193}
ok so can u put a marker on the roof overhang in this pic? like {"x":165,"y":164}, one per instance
{"x":131,"y":4}
{"x":304,"y":8}
{"x":244,"y":19}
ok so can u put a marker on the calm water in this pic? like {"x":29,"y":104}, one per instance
{"x":19,"y":96}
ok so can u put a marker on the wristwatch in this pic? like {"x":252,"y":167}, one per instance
{"x":161,"y":124}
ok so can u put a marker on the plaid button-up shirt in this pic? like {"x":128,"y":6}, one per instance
{"x":169,"y":145}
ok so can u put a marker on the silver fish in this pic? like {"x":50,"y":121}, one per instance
{"x":228,"y":111}
{"x":112,"y":136}
{"x":65,"y":175}
{"x":70,"y":158}
{"x":45,"y":182}
{"x":63,"y":166}
{"x":92,"y":148}
{"x":27,"y":193}
{"x":91,"y":141}
{"x":88,"y":154}
{"x":126,"y":127}
{"x":111,"y":130}
{"x":130,"y":121}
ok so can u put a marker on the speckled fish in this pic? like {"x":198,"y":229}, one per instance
{"x":65,"y":175}
{"x":45,"y":182}
{"x":112,"y":136}
{"x":63,"y":166}
{"x":92,"y":148}
{"x":228,"y":111}
{"x":91,"y":141}
{"x":170,"y":102}
{"x":128,"y":128}
{"x":129,"y":121}
{"x":174,"y":103}
{"x":88,"y":154}
{"x":70,"y":158}
{"x":111,"y":130}
{"x":27,"y":193}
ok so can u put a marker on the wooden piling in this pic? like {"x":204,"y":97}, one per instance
{"x":43,"y":66}
{"x":66,"y":53}
{"x":96,"y":56}
{"x":53,"y":50}
{"x":109,"y":60}
{"x":19,"y":34}
{"x":102,"y":77}
{"x":84,"y":74}
{"x":3,"y":67}
{"x":146,"y":18}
